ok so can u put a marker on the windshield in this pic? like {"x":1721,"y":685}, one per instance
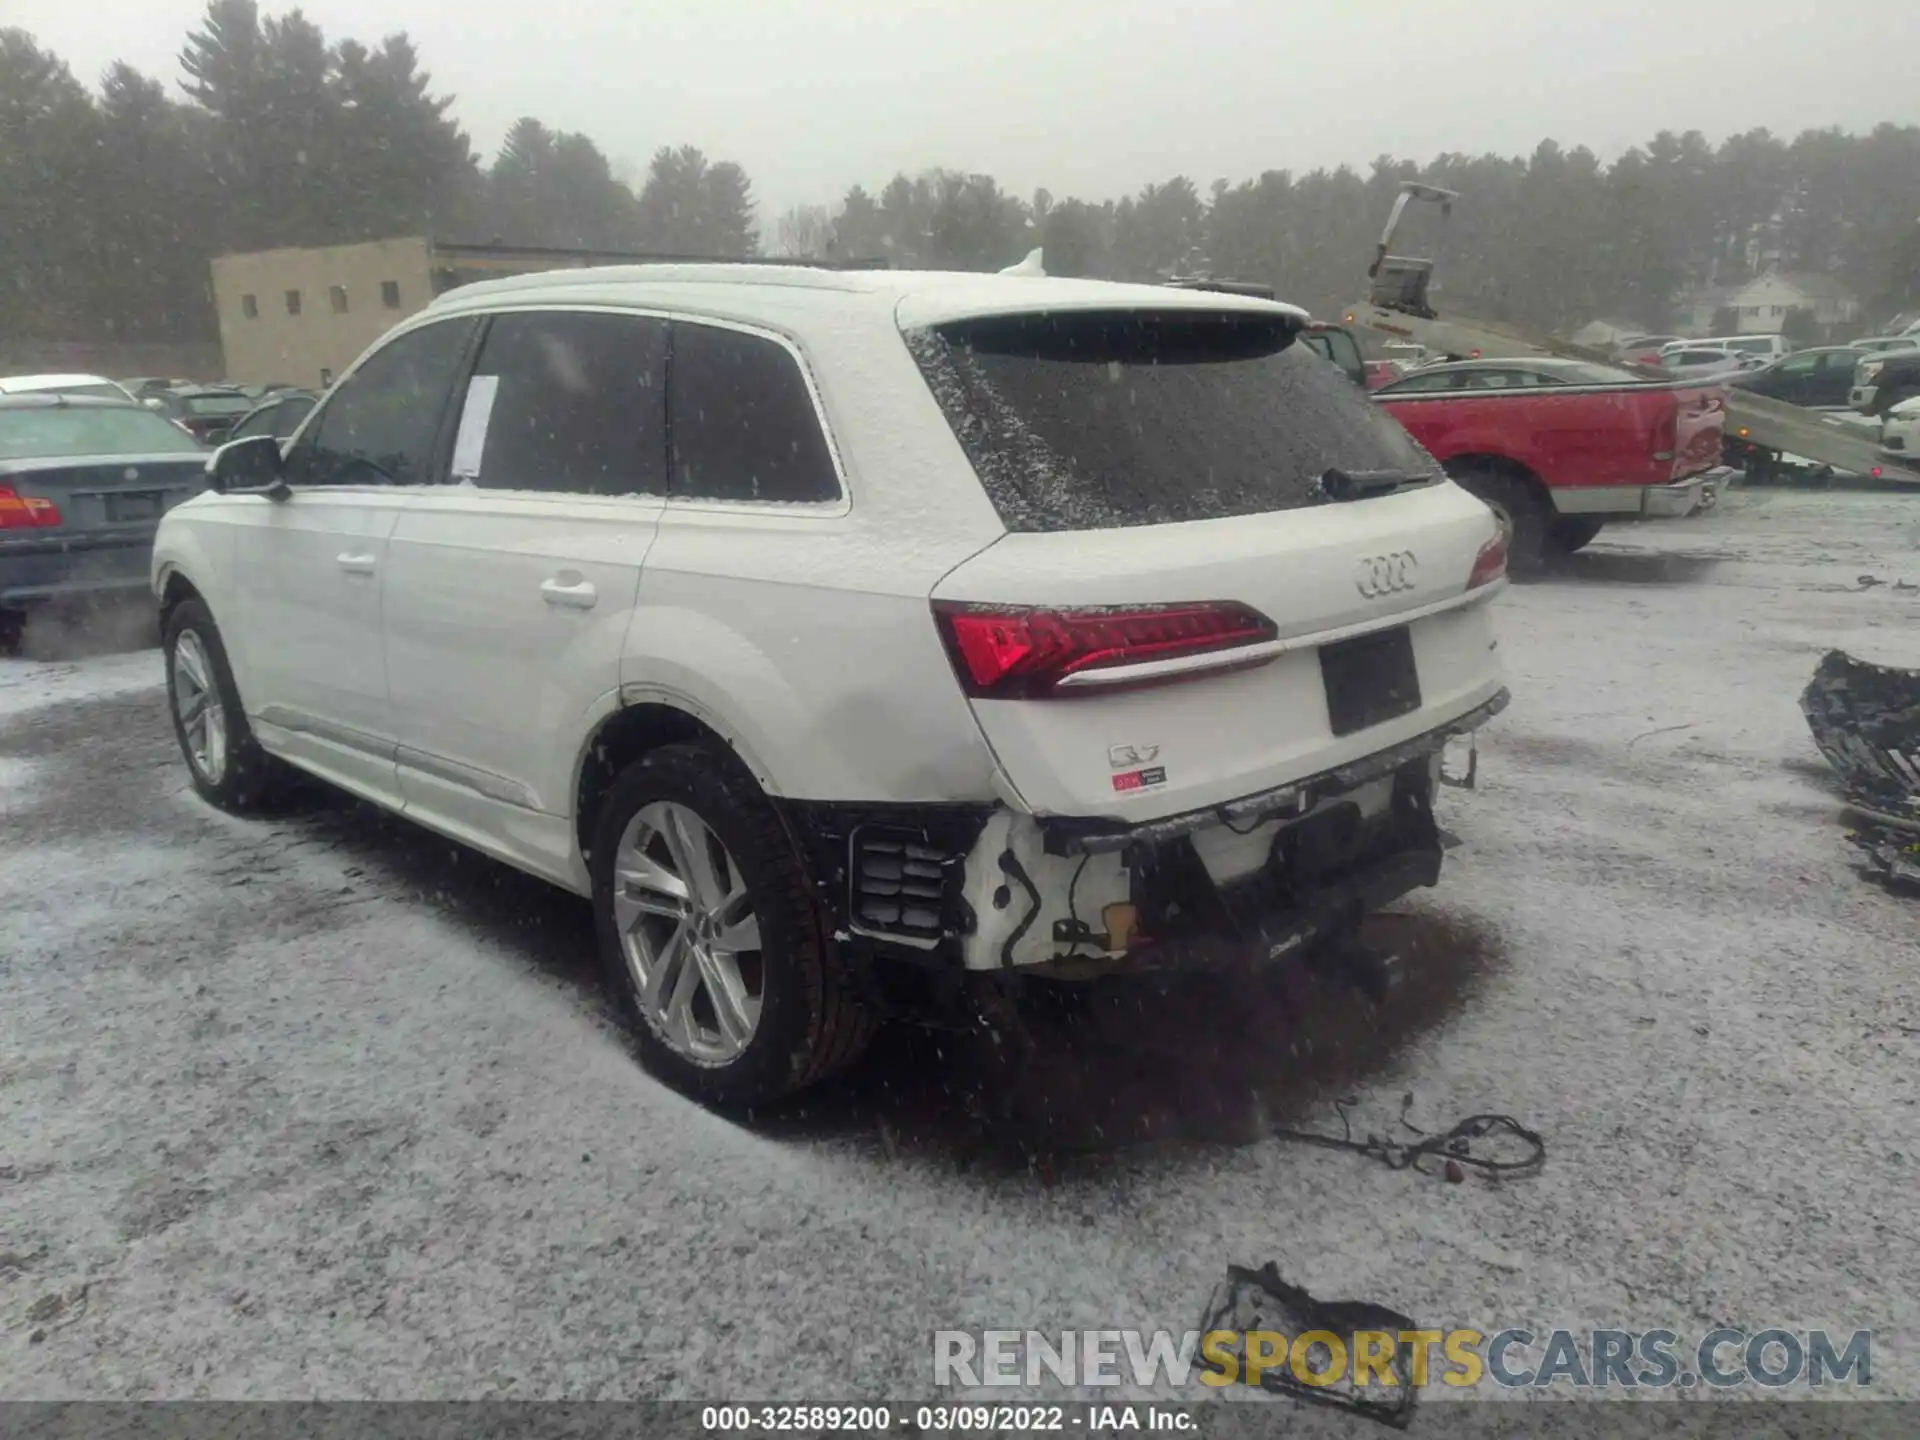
{"x":38,"y":432}
{"x":1096,"y":420}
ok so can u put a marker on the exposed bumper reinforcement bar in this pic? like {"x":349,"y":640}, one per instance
{"x":1078,"y":836}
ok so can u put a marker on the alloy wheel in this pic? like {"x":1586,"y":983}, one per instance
{"x":197,"y":704}
{"x":689,"y":933}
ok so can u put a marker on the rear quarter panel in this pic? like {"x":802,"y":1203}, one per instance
{"x":806,"y":635}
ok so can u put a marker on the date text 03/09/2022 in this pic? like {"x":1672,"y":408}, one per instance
{"x":1091,"y":1418}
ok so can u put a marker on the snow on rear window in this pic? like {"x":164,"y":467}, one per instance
{"x":1093,"y":421}
{"x":62,"y":432}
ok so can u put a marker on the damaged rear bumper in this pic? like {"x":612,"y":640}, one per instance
{"x":983,"y":888}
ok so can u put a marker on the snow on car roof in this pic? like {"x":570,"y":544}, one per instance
{"x":28,"y":384}
{"x":919,"y":297}
{"x":54,"y":399}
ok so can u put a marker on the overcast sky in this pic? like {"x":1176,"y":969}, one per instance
{"x":1094,"y":97}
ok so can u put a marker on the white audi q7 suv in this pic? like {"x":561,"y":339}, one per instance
{"x":852,"y":635}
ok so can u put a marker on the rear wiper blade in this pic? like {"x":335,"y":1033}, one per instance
{"x":1338,"y":484}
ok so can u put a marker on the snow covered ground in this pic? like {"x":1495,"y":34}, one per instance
{"x":319,"y":1107}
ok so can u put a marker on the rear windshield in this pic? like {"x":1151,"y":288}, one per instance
{"x":55,"y":432}
{"x":1101,"y":420}
{"x":218,"y":404}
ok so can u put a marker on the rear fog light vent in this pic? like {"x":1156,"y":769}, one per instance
{"x":899,"y":884}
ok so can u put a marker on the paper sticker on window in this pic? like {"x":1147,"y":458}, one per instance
{"x":471,"y":442}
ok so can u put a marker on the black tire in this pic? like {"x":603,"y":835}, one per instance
{"x":1569,"y":533}
{"x":1520,"y":508}
{"x":813,"y":1018}
{"x":249,"y":778}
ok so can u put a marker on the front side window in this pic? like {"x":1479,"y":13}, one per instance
{"x":569,"y":401}
{"x":380,"y":427}
{"x":743,"y":422}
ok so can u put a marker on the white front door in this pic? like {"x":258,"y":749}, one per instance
{"x":310,"y":568}
{"x":508,"y":593}
{"x":307,"y":571}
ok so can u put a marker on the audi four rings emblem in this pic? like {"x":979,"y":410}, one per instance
{"x":1378,"y":575}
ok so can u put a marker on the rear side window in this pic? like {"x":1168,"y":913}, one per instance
{"x":260,"y":422}
{"x":568,"y":401}
{"x":742,"y":421}
{"x":1430,"y":383}
{"x":287,"y":418}
{"x":381,"y":424}
{"x":1101,"y":420}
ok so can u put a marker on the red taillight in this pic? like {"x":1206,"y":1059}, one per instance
{"x":26,"y":512}
{"x":1018,"y":652}
{"x":1491,"y":563}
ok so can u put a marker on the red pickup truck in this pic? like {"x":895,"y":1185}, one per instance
{"x":1559,"y":447}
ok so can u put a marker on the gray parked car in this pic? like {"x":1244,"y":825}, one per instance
{"x":83,"y":484}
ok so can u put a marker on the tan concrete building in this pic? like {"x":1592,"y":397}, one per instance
{"x":301,"y":317}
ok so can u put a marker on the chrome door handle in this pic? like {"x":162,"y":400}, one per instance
{"x":355,"y":564}
{"x":579,"y":595}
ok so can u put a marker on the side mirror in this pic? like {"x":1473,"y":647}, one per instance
{"x":249,"y":467}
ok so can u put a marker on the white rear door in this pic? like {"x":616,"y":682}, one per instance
{"x":1228,"y":570}
{"x":510,"y":591}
